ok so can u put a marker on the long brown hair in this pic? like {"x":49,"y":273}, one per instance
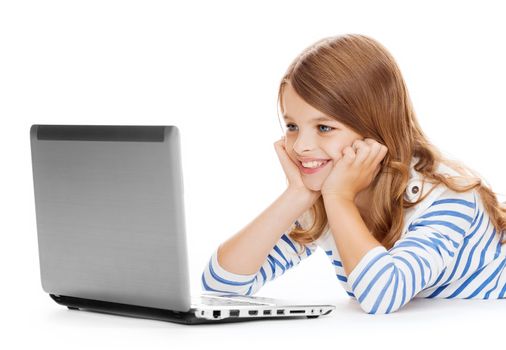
{"x":354,"y":79}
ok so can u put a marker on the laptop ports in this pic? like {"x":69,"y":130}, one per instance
{"x":234,"y":313}
{"x":216,"y":313}
{"x":267,"y":312}
{"x":280,"y":312}
{"x":297,"y":311}
{"x":253,"y":312}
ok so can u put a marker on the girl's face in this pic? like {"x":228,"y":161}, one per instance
{"x":308,"y":136}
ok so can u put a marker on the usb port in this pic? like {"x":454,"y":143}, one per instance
{"x":280,"y":312}
{"x":253,"y":312}
{"x":234,"y":313}
{"x":267,"y":312}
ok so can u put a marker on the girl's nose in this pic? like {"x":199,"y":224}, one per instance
{"x":304,"y":143}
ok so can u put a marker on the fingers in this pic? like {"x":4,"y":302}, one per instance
{"x":361,"y":150}
{"x":279,"y":146}
{"x":349,"y":155}
{"x":286,"y":162}
{"x":369,"y":152}
{"x":379,"y":151}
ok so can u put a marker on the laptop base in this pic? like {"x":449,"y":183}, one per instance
{"x":188,"y":318}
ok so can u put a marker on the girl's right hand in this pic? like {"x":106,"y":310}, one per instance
{"x":292,"y":172}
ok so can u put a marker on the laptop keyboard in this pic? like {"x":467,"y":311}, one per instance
{"x":223,"y":301}
{"x":211,"y":300}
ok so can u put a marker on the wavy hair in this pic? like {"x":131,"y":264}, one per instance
{"x":354,"y":79}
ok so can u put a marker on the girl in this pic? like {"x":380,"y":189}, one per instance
{"x":396,"y":219}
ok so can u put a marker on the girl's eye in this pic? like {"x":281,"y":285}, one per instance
{"x":324,"y":131}
{"x":325,"y":126}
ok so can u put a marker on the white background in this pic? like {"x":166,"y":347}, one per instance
{"x":213,"y":68}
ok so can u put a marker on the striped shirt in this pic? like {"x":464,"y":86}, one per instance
{"x":448,"y":249}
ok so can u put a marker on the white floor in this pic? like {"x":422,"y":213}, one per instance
{"x":31,"y":318}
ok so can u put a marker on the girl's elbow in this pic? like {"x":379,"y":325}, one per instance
{"x":381,"y":311}
{"x":372,"y":308}
{"x":211,"y":285}
{"x":376,"y":311}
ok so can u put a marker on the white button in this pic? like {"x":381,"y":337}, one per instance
{"x":413,"y":190}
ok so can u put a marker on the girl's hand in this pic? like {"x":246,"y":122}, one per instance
{"x":355,"y":170}
{"x":292,"y":171}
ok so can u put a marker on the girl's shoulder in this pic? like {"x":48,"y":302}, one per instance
{"x":418,"y":186}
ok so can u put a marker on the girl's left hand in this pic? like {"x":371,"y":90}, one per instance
{"x":355,"y":170}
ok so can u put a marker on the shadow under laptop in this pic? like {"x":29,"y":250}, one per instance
{"x":133,"y":311}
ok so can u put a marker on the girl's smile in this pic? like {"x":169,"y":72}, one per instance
{"x":309,"y":171}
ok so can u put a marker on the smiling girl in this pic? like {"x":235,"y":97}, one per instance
{"x":396,"y":219}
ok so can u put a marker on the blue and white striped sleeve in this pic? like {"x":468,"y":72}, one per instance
{"x":281,"y":258}
{"x":384,"y":281}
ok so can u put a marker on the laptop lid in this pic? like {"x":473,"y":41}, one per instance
{"x":110,"y":213}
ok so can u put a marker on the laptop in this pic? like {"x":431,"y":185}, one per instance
{"x":111,"y":228}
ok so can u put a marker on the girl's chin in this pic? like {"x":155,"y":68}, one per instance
{"x":313,"y":186}
{"x":315,"y":181}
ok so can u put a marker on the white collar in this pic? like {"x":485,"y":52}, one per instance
{"x":416,"y":181}
{"x":414,"y":191}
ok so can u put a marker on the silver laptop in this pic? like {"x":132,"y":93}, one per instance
{"x":111,"y":228}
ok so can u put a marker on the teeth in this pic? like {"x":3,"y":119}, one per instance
{"x":313,"y":164}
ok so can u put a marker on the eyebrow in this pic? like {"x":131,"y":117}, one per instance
{"x":319,"y":119}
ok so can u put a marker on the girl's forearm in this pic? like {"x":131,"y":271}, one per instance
{"x":352,"y":237}
{"x":247,"y":250}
